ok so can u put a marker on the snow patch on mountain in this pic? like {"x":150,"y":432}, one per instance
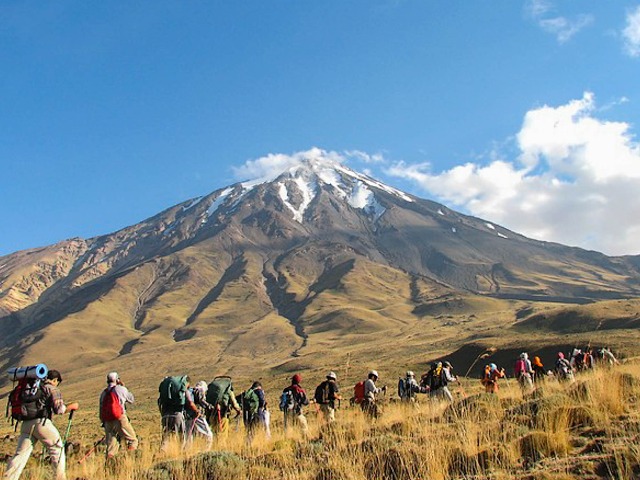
{"x":307,"y":188}
{"x":362,"y":197}
{"x":490,"y":226}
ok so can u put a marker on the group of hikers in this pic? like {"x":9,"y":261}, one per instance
{"x":204,"y":409}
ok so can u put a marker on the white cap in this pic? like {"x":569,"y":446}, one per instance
{"x":112,"y":377}
{"x":410,"y":373}
{"x":374,"y":372}
{"x":332,"y":375}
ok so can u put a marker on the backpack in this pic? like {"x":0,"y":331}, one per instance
{"x":111,"y":408}
{"x":250,"y":402}
{"x":321,"y":395}
{"x":27,"y":400}
{"x":287,"y":401}
{"x":218,"y":392}
{"x":405,"y":389}
{"x":435,"y":378}
{"x":520,"y":367}
{"x":173,"y":393}
{"x":358,"y":392}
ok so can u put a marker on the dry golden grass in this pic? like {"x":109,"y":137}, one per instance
{"x":585,"y":430}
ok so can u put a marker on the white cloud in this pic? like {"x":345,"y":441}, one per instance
{"x":273,"y":164}
{"x":631,"y":33}
{"x":562,"y":27}
{"x":270,"y":166}
{"x":574,"y":181}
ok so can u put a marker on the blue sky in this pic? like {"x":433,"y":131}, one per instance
{"x":523,"y":113}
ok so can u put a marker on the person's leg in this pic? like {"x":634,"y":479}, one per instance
{"x":111,"y":439}
{"x":128,"y":433}
{"x":48,"y":434}
{"x":23,"y":452}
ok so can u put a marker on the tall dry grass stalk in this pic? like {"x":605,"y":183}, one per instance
{"x":585,"y":429}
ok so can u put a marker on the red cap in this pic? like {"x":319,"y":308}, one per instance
{"x":296,"y":379}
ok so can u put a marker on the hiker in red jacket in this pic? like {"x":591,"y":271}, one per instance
{"x":113,"y":415}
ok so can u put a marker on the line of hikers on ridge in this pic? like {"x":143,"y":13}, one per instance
{"x":205,"y":409}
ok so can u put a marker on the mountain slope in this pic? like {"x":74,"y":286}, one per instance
{"x":279,"y":269}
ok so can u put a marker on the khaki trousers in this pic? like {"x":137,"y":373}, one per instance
{"x":123,"y":428}
{"x":30,"y":432}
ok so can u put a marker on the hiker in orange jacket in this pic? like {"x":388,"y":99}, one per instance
{"x":491,"y":376}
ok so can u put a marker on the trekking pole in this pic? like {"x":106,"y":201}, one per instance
{"x":95,"y":445}
{"x":66,"y":435}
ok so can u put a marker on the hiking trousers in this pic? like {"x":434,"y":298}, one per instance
{"x":173,"y":424}
{"x":328,"y":412}
{"x":123,"y":428}
{"x":30,"y":432}
{"x":297,"y":419}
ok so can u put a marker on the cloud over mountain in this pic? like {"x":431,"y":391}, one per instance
{"x":573,"y":180}
{"x":631,"y":33}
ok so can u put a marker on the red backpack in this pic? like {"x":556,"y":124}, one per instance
{"x":111,"y":407}
{"x":520,"y":367}
{"x":358,"y":392}
{"x":27,"y":400}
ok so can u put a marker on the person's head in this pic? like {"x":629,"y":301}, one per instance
{"x":448,"y":365}
{"x":332,"y":376}
{"x":54,"y":377}
{"x":373,"y":374}
{"x":560,"y":355}
{"x":410,"y":374}
{"x":256,"y":385}
{"x":112,"y":377}
{"x":493,"y":366}
{"x":296,"y":379}
{"x":524,"y":355}
{"x":202,"y":386}
{"x":187,"y":381}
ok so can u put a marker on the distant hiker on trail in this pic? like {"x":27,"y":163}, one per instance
{"x":113,"y":415}
{"x":490,"y":378}
{"x":326,"y":395}
{"x":38,"y":406}
{"x":576,"y":360}
{"x":172,"y":403}
{"x":408,"y":387}
{"x":523,"y":371}
{"x":369,"y":404}
{"x":607,"y":357}
{"x":588,"y":362}
{"x":539,"y":372}
{"x":221,"y":396}
{"x":253,"y":404}
{"x":437,"y":379}
{"x":197,"y":422}
{"x":563,"y":368}
{"x":292,"y":401}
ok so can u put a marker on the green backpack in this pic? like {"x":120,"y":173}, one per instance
{"x":250,"y":402}
{"x":219,"y":391}
{"x":173,"y":392}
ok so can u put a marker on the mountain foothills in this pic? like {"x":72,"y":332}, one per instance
{"x":320,"y":264}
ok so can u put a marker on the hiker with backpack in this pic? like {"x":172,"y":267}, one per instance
{"x":408,"y":387}
{"x":253,"y":405}
{"x":221,"y":397}
{"x":564,"y":371}
{"x":539,"y":372}
{"x":33,"y":402}
{"x":607,"y":357}
{"x":588,"y":362}
{"x":523,"y":371}
{"x":369,"y":404}
{"x":327,"y":395}
{"x":490,"y":378}
{"x":292,"y":401}
{"x":197,"y":422}
{"x":113,"y":415}
{"x":173,"y":404}
{"x":435,"y":381}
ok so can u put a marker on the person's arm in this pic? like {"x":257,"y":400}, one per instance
{"x":261,"y":400}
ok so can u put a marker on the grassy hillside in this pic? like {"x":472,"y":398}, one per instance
{"x":585,"y":430}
